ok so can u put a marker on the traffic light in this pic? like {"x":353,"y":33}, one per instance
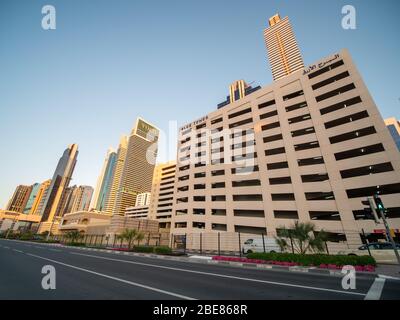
{"x":379,"y":204}
{"x":370,"y":211}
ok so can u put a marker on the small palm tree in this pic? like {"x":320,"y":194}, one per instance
{"x":74,"y":236}
{"x":304,"y":238}
{"x":139,"y":236}
{"x":129,"y":235}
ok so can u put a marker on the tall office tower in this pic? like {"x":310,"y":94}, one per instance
{"x":67,"y":201}
{"x":82,"y":198}
{"x":309,"y":147}
{"x":104,"y":181}
{"x":40,"y":197}
{"x":137,"y":174}
{"x":32,"y":198}
{"x":394,"y":128}
{"x":162,"y":194}
{"x":238,"y":90}
{"x":60,"y":181}
{"x":19,"y":199}
{"x":116,"y":175}
{"x":283,"y":52}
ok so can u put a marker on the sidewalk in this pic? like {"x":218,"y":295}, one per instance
{"x":388,"y":270}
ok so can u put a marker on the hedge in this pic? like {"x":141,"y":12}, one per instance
{"x":162,"y":250}
{"x":143,"y":249}
{"x":315,"y":259}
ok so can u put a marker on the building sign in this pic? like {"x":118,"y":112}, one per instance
{"x":146,"y":131}
{"x":199,"y":121}
{"x":320,"y":65}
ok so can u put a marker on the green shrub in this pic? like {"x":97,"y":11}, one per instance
{"x":27,"y":236}
{"x":315,"y":259}
{"x":143,"y":249}
{"x":75,"y":244}
{"x":162,"y":250}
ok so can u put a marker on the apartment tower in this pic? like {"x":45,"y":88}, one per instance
{"x":19,"y":199}
{"x":283,"y":52}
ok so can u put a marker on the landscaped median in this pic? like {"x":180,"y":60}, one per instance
{"x":323,"y":261}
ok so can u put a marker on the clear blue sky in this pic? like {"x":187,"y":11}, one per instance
{"x":111,"y":61}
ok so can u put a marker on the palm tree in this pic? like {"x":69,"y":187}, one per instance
{"x":139,"y":236}
{"x":74,"y":236}
{"x":129,"y":235}
{"x":304,"y":238}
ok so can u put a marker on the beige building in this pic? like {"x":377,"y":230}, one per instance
{"x":283,"y":52}
{"x":85,"y":222}
{"x":309,"y":147}
{"x":19,"y":199}
{"x":137,"y":173}
{"x":40,"y":196}
{"x":393,"y":126}
{"x":162,"y":194}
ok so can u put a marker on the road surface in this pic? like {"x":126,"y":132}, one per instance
{"x":82,"y":274}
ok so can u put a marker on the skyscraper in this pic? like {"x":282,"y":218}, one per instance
{"x":116,"y":176}
{"x":19,"y":199}
{"x":104,"y":181}
{"x":394,"y":128}
{"x":40,"y":197}
{"x":137,"y":174}
{"x":82,"y":199}
{"x":283,"y":52}
{"x":60,"y":181}
{"x":32,"y":197}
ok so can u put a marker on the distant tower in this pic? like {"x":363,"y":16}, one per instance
{"x":40,"y":198}
{"x":82,"y":199}
{"x":61,"y":179}
{"x":116,"y":175}
{"x":138,"y":170}
{"x":19,"y":199}
{"x":32,"y":197}
{"x":283,"y":52}
{"x":104,"y":181}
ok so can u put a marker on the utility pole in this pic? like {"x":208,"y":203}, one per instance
{"x":381,"y":209}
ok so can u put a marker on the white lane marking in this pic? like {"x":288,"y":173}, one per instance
{"x":387,"y":277}
{"x":18,"y":251}
{"x":39,"y":247}
{"x":223,"y":275}
{"x":5,"y":247}
{"x":55,"y":250}
{"x":375,"y":292}
{"x":114,"y":278}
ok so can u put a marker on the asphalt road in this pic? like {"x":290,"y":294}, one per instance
{"x":96,"y":275}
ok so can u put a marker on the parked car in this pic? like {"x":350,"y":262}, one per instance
{"x":382,"y":251}
{"x":257,"y":245}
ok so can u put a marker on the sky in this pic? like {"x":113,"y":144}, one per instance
{"x":110,"y":61}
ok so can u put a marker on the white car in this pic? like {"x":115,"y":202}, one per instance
{"x":382,"y":252}
{"x":257,"y":245}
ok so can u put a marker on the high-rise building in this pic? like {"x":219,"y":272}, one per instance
{"x":40,"y":197}
{"x":32,"y":198}
{"x":116,"y":175}
{"x":82,"y":199}
{"x":309,"y":147}
{"x":60,"y":181}
{"x":19,"y":199}
{"x":283,"y":52}
{"x":394,"y":128}
{"x":137,"y":174}
{"x":67,"y":200}
{"x":104,"y":181}
{"x":238,"y":90}
{"x":162,"y":193}
{"x":143,"y":199}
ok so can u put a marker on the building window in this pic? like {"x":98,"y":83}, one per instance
{"x":296,"y":106}
{"x":330,"y":80}
{"x":218,"y":198}
{"x":201,"y":126}
{"x":249,"y":213}
{"x":184,"y":168}
{"x":286,"y":214}
{"x":335,"y":92}
{"x":366,"y":170}
{"x":179,"y":225}
{"x":250,"y":230}
{"x":239,"y":113}
{"x":183,"y":189}
{"x":280,"y":180}
{"x":270,"y":126}
{"x":218,"y":227}
{"x":199,"y":198}
{"x":215,"y":173}
{"x":219,"y":139}
{"x":369,"y":191}
{"x":326,"y":69}
{"x":268,"y":114}
{"x":293,"y":95}
{"x":282,"y":196}
{"x":200,"y":164}
{"x":217,"y":161}
{"x":298,"y":119}
{"x":352,"y":135}
{"x":243,"y":170}
{"x":314,"y":177}
{"x":200,"y":175}
{"x":214,"y":121}
{"x":247,"y":197}
{"x":246,"y":183}
{"x":310,"y":161}
{"x":181,"y":212}
{"x":340,"y":105}
{"x":270,"y":152}
{"x":302,"y":132}
{"x":184,"y":199}
{"x":350,"y":118}
{"x":316,"y":196}
{"x":243,"y":144}
{"x":277,"y":165}
{"x":217,"y":150}
{"x":242,"y":133}
{"x":199,"y":186}
{"x":217,"y":185}
{"x":218,"y":212}
{"x":241,"y":157}
{"x":240,"y":123}
{"x":275,"y":137}
{"x":183,"y":178}
{"x":359,"y":151}
{"x":266,"y":104}
{"x":306,"y":146}
{"x":201,"y":212}
{"x":325,"y":215}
